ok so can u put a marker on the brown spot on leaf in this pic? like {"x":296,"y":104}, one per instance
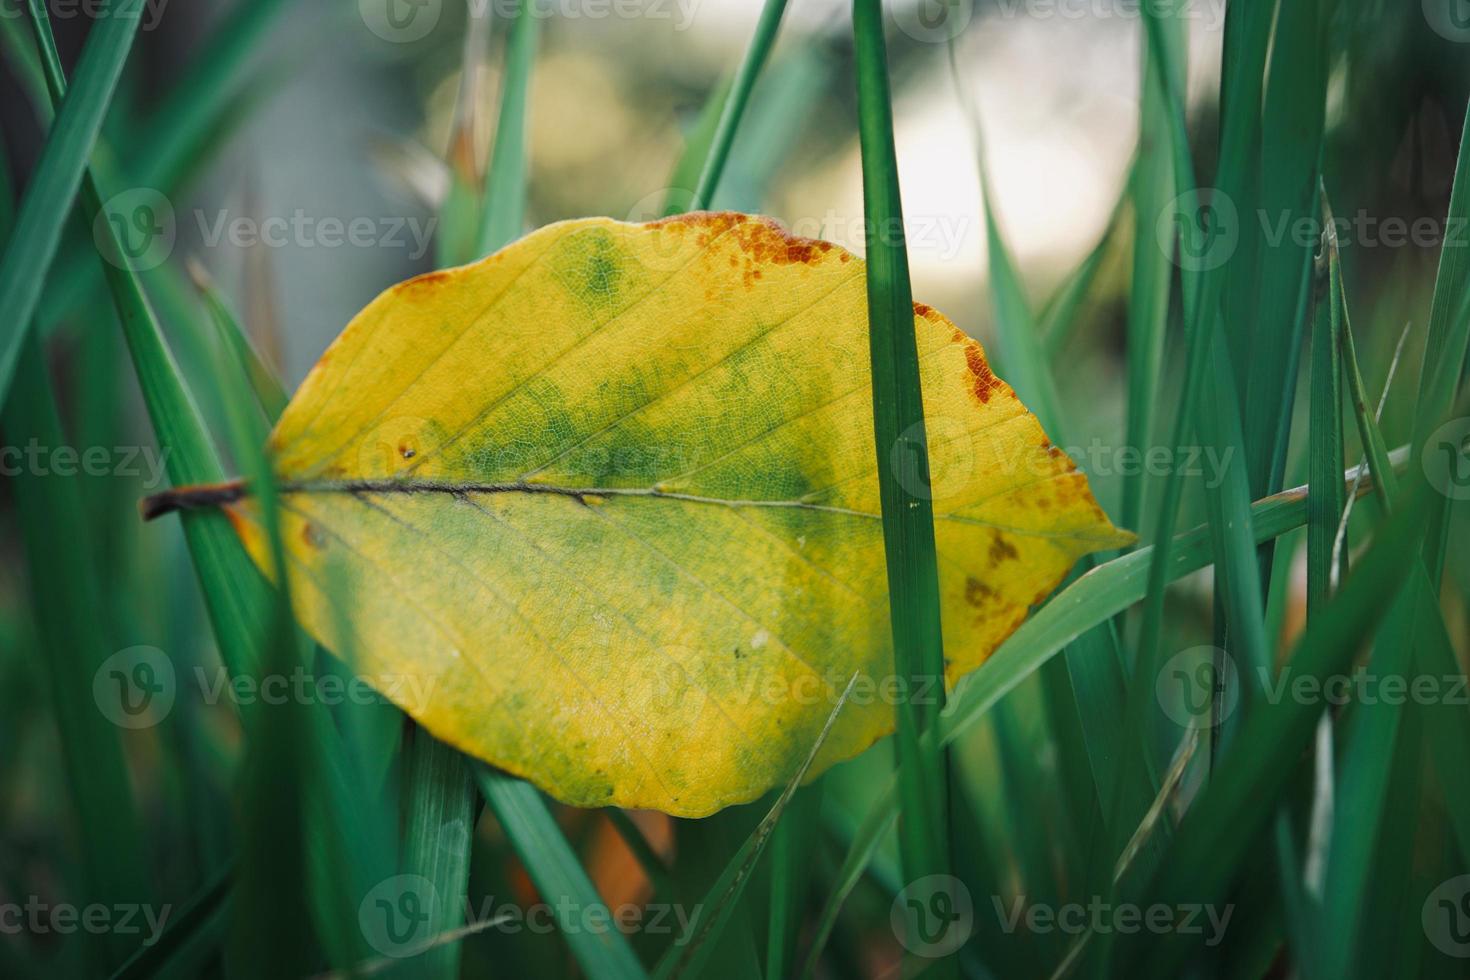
{"x":424,"y":281}
{"x":984,"y":381}
{"x":1001,"y":550}
{"x":977,"y":593}
{"x":312,"y":536}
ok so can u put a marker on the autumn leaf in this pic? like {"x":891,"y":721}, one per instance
{"x":602,"y":509}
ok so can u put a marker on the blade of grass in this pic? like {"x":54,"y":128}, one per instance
{"x":234,"y":593}
{"x":791,"y":849}
{"x":1081,"y":690}
{"x":558,"y":876}
{"x":1447,"y":342}
{"x":1059,"y":319}
{"x":266,"y":387}
{"x":870,"y":834}
{"x":690,"y":951}
{"x":1293,"y":117}
{"x":908,"y":520}
{"x":1326,"y":501}
{"x":47,"y":201}
{"x":65,"y":596}
{"x":462,"y":216}
{"x":271,"y":923}
{"x":172,"y":140}
{"x":1101,"y":594}
{"x":734,"y":105}
{"x":504,"y":213}
{"x":1151,"y":187}
{"x":1224,"y":823}
{"x":189,"y":940}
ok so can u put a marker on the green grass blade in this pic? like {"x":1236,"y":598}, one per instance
{"x":734,"y":106}
{"x":269,"y":393}
{"x":870,"y":835}
{"x":1293,"y":118}
{"x":234,"y":593}
{"x":1324,"y":451}
{"x":553,"y":867}
{"x":1151,"y":188}
{"x":1020,"y":355}
{"x":791,"y":876}
{"x":187,"y":119}
{"x":1224,"y":823}
{"x":1060,"y":318}
{"x":65,"y":597}
{"x":1446,"y":345}
{"x":191,"y":938}
{"x":691,"y":950}
{"x":1099,"y":595}
{"x":48,"y":198}
{"x":439,"y":824}
{"x":503,"y":216}
{"x":908,"y":520}
{"x":1203,"y":289}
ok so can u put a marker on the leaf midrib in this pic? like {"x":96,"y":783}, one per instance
{"x":586,"y":495}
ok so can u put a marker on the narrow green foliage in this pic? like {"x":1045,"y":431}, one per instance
{"x":908,"y":519}
{"x":734,"y":106}
{"x":503,"y":214}
{"x":269,"y":393}
{"x":553,"y":867}
{"x":47,"y":201}
{"x":688,"y":954}
{"x":234,"y":593}
{"x":1219,"y":829}
{"x":66,"y":595}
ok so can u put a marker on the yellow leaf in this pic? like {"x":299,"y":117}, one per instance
{"x":607,"y":504}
